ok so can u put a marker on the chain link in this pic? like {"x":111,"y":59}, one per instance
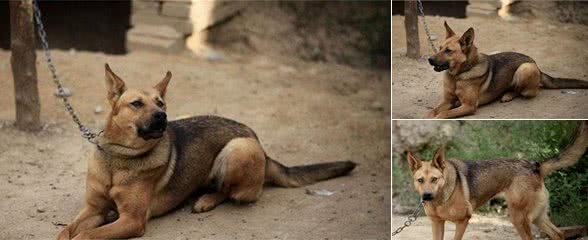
{"x":86,"y":132}
{"x":411,"y":219}
{"x":422,"y":13}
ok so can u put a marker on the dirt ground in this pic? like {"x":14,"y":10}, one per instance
{"x":479,"y":228}
{"x":559,"y":50}
{"x":303,"y":112}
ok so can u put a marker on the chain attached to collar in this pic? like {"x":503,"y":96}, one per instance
{"x":422,"y":13}
{"x":87,"y":133}
{"x":411,"y":219}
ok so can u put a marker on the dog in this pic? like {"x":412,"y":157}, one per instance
{"x":473,"y":79}
{"x":144,"y":166}
{"x":452,"y":189}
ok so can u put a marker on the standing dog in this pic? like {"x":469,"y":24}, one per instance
{"x":453,"y":189}
{"x":473,"y":79}
{"x":144,"y":166}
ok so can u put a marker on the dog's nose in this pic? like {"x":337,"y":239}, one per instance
{"x":159,"y":116}
{"x":427,"y":196}
{"x":431,"y":61}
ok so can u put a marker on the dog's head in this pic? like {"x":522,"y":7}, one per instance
{"x":139,"y":113}
{"x":454,"y":51}
{"x":428,"y":175}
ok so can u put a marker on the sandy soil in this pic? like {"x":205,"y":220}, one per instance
{"x":303,"y":112}
{"x":559,"y":50}
{"x":479,"y":228}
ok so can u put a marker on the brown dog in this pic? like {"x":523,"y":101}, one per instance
{"x":144,"y":166}
{"x":452,"y":189}
{"x":473,"y":79}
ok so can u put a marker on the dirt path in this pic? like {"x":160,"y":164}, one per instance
{"x":559,"y":50}
{"x":479,"y":228}
{"x":303,"y":112}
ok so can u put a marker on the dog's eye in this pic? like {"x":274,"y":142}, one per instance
{"x":447,"y":50}
{"x":160,"y":103}
{"x":433,"y":179}
{"x":421,"y":180}
{"x":137,"y":104}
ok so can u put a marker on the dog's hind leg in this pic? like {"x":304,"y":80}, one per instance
{"x":509,"y":96}
{"x":521,"y":222}
{"x":527,"y":79}
{"x":208,"y":201}
{"x":244,"y":174}
{"x":524,"y":199}
{"x":539,"y":215}
{"x":548,"y":228}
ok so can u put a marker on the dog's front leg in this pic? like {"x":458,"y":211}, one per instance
{"x":445,"y":104}
{"x":438,"y":228}
{"x":132,"y":205}
{"x":89,"y":217}
{"x":461,"y":111}
{"x":468,"y":96}
{"x":460,"y":228}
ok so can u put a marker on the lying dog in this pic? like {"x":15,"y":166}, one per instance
{"x":473,"y":79}
{"x":453,"y":189}
{"x":144,"y":166}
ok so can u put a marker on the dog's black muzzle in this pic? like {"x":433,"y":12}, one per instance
{"x":156,"y":128}
{"x":438,"y":67}
{"x":427,"y":196}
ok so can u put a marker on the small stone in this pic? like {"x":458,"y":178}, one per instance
{"x":287,"y":69}
{"x":40,"y":210}
{"x":66,"y":93}
{"x":98,"y":109}
{"x":214,"y":56}
{"x":321,"y":192}
{"x":376,"y":105}
{"x":434,"y":37}
{"x":72,"y":51}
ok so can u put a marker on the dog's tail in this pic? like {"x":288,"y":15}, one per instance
{"x":571,"y":154}
{"x":297,"y":176}
{"x":558,"y":83}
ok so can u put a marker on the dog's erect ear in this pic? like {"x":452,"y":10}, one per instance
{"x":161,"y":87}
{"x":439,"y":158}
{"x":467,"y":39}
{"x":115,"y":86}
{"x":448,"y":31}
{"x":413,"y":163}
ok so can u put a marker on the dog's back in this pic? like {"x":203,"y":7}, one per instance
{"x":486,"y":178}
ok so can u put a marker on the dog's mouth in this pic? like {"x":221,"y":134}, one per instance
{"x":440,"y":67}
{"x":153,"y":131}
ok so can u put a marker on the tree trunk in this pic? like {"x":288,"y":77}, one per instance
{"x":22,"y":60}
{"x":411,"y":25}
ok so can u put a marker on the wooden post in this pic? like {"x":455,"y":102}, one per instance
{"x":411,"y":25}
{"x":22,"y":60}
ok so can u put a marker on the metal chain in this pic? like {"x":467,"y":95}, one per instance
{"x":86,"y":132}
{"x":411,"y":219}
{"x":422,"y":13}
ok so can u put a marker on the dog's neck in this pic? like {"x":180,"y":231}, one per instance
{"x":451,"y":179}
{"x":472,"y":61}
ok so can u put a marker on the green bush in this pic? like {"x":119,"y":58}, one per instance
{"x":529,"y":140}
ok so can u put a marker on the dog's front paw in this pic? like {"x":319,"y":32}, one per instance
{"x":81,"y":236}
{"x":431,"y":114}
{"x":64,"y":235}
{"x":441,"y":116}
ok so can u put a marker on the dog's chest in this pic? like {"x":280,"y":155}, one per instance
{"x":457,"y":208}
